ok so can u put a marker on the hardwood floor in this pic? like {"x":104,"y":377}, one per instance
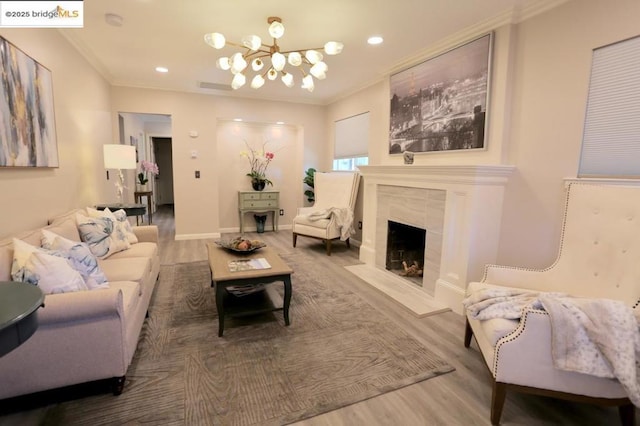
{"x":458,"y":398}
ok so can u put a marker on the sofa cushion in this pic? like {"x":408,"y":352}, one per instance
{"x":149,"y":250}
{"x":79,"y":256}
{"x":102,"y":235}
{"x":52,"y":273}
{"x":67,"y":228}
{"x":126,"y":269}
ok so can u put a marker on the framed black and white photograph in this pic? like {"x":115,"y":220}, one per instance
{"x":441,"y":104}
{"x":27,"y":122}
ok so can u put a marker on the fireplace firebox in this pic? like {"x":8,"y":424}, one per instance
{"x":405,"y":251}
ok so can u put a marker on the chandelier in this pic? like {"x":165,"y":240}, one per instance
{"x":307,"y":61}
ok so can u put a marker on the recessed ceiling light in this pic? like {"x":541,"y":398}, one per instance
{"x":375,"y":40}
{"x":237,"y":119}
{"x":162,"y":69}
{"x":279,"y":122}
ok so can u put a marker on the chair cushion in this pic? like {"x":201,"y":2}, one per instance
{"x":304,"y":220}
{"x":496,"y":328}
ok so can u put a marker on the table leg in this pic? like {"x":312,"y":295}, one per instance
{"x":149,"y":202}
{"x":287,"y":299}
{"x":240,"y":216}
{"x":220,"y":307}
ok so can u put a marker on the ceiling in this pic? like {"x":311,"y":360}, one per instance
{"x":170,"y":33}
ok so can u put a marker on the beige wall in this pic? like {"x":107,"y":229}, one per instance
{"x":201,"y":209}
{"x":83,"y":124}
{"x":540,"y":80}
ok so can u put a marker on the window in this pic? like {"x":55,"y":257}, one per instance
{"x":351,"y":142}
{"x":346,"y":164}
{"x":611,"y":141}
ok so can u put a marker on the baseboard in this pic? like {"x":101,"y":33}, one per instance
{"x":268,"y":228}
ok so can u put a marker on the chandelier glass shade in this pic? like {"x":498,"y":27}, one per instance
{"x":269,"y":62}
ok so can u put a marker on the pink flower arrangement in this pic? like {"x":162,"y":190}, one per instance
{"x":259,"y":161}
{"x":147,"y":167}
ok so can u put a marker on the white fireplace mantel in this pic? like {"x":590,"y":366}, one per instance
{"x":472,"y":216}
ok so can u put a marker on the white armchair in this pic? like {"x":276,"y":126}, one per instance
{"x":598,"y":258}
{"x":331,"y":215}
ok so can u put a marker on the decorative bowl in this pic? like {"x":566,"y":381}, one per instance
{"x":241,"y":245}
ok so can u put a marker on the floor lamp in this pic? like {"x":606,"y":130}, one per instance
{"x":120,"y":157}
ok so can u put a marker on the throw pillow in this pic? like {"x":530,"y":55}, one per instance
{"x":101,"y":235}
{"x":52,"y":274}
{"x":125,"y":226}
{"x":120,"y":218}
{"x":79,"y":256}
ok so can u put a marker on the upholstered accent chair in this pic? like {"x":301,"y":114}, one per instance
{"x":331,"y":215}
{"x":598,"y":259}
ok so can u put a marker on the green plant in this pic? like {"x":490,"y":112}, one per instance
{"x":309,"y":181}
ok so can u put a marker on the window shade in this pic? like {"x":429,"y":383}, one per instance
{"x":352,"y":137}
{"x":611,"y":140}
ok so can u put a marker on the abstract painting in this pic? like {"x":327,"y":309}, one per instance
{"x":441,"y":104}
{"x":27,"y":122}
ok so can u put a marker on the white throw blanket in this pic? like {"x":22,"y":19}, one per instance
{"x":343,"y":217}
{"x":591,"y":336}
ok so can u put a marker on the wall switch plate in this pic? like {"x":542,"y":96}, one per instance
{"x":197,"y":174}
{"x":281,"y":212}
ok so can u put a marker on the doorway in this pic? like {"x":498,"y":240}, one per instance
{"x":162,"y":150}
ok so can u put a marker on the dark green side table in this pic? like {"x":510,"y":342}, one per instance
{"x":130,"y":209}
{"x":19,"y":303}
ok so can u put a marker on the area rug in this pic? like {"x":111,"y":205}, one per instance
{"x":337,"y":351}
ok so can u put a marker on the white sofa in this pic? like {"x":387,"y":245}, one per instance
{"x":88,"y":335}
{"x":597,"y":259}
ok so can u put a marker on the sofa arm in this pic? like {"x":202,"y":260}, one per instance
{"x":81,"y":306}
{"x":146,"y":234}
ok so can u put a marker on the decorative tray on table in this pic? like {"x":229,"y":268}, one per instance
{"x":241,"y":245}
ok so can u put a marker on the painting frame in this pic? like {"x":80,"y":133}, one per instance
{"x":27,"y":115}
{"x":441,"y":104}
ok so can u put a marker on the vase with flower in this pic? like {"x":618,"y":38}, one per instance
{"x":146,"y":167}
{"x":259,"y":161}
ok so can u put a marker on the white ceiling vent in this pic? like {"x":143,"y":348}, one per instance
{"x":213,"y":86}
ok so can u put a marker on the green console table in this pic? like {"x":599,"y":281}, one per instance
{"x":19,"y":303}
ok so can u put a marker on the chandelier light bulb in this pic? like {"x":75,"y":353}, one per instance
{"x":278,"y":61}
{"x":287,"y":79}
{"x":319,"y":70}
{"x":215,"y":40}
{"x":333,"y":48}
{"x":313,"y":56}
{"x":272,"y":74}
{"x":307,"y":83}
{"x":223,"y":63}
{"x":238,"y":64}
{"x":257,"y":64}
{"x":257,"y":82}
{"x":238,"y":81}
{"x":295,"y":59}
{"x":276,"y":29}
{"x":252,"y":42}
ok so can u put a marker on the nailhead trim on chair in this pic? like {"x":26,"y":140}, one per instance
{"x":513,"y":336}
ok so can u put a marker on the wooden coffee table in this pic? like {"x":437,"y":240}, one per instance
{"x":264,"y":301}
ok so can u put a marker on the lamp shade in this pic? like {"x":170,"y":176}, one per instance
{"x":119,"y":156}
